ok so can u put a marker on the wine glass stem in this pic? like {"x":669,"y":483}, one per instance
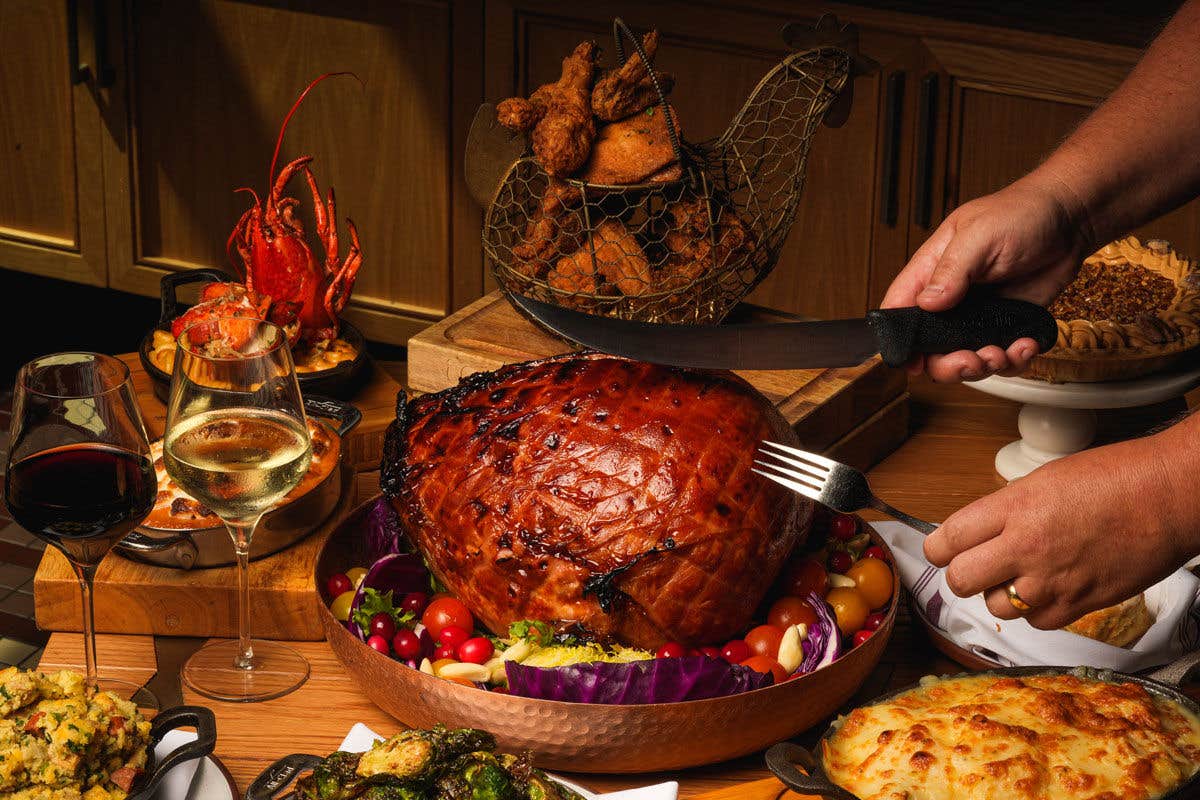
{"x":242,"y":533}
{"x":86,"y":573}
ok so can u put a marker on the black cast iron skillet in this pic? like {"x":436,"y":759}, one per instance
{"x":1163,"y":683}
{"x":196,"y":717}
{"x":340,"y":381}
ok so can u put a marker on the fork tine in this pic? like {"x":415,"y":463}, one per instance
{"x":808,"y":479}
{"x":795,"y":468}
{"x":795,"y":486}
{"x":821,"y":461}
{"x":797,"y":458}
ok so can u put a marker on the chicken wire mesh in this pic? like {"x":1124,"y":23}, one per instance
{"x":685,"y":249}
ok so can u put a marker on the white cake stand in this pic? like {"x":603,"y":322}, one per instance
{"x":1058,"y":419}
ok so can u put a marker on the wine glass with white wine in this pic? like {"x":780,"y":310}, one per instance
{"x":237,"y":441}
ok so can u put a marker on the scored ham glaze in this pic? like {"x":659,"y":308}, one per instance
{"x":595,"y":490}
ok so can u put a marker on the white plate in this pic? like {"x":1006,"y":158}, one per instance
{"x":201,"y":779}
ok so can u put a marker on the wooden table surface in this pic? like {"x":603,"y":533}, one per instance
{"x":946,"y":463}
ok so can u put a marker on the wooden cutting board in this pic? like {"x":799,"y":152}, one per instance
{"x":823,"y":405}
{"x":132,"y":597}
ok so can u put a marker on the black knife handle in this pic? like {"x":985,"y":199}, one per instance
{"x":983,"y":318}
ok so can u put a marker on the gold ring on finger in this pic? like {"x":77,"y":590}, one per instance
{"x":1017,"y":601}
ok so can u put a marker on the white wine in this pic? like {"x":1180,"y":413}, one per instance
{"x":238,"y":461}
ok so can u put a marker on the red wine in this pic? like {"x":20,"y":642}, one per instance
{"x":84,"y":498}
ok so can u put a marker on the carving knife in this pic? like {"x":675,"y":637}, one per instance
{"x":897,"y":334}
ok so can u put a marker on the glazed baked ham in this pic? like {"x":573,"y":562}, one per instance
{"x":598,"y":492}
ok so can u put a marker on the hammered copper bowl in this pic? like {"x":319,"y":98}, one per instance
{"x":580,"y":737}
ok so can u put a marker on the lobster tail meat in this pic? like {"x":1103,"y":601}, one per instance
{"x":588,"y":490}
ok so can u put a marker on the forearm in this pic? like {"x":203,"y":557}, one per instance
{"x":1138,"y":154}
{"x":1175,"y":452}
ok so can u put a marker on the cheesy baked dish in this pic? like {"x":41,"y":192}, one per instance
{"x":174,"y":509}
{"x":310,"y":359}
{"x":989,"y":737}
{"x":58,"y":742}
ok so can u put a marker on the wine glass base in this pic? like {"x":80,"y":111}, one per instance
{"x":142,"y":697}
{"x":275,"y":670}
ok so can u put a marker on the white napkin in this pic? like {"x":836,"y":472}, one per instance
{"x":360,"y":738}
{"x":176,"y":783}
{"x":1174,"y":602}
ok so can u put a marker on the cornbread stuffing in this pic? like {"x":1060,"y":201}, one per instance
{"x":59,"y":742}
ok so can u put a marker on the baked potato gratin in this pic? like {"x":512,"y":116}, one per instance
{"x":58,"y":742}
{"x":985,"y":737}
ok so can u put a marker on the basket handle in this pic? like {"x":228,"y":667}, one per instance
{"x":619,"y":29}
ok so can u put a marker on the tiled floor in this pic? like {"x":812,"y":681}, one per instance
{"x":20,"y":640}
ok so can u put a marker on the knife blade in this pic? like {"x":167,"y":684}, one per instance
{"x":897,"y":334}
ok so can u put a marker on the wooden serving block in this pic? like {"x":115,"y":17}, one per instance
{"x":823,"y":405}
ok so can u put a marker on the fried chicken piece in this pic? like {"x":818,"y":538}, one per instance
{"x":627,"y":89}
{"x":563,"y":138}
{"x":634,"y":150}
{"x":695,"y":247}
{"x":554,"y":229}
{"x":518,"y":114}
{"x":617,"y":257}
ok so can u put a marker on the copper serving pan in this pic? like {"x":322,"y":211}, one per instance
{"x":278,"y":528}
{"x":582,"y":737}
{"x":1163,"y":683}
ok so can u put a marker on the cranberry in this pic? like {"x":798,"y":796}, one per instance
{"x":862,"y":636}
{"x":379,"y":644}
{"x":671,"y":650}
{"x":840,"y":562}
{"x":338,"y":584}
{"x":875,"y":551}
{"x":383,"y":625}
{"x":873,"y":621}
{"x":415,"y":602}
{"x":843,"y":527}
{"x":406,"y":643}
{"x":735,"y":651}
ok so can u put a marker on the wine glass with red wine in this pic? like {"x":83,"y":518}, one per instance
{"x":237,"y":441}
{"x":79,"y":472}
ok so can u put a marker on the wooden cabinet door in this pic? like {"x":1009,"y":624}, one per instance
{"x":51,"y":185}
{"x":718,"y":57}
{"x":208,"y":85}
{"x":1009,"y":108}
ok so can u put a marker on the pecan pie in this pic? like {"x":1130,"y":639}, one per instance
{"x":1133,"y":309}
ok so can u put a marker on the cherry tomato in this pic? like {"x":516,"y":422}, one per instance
{"x":415,"y":602}
{"x":445,"y":652}
{"x":843,"y":527}
{"x":789,"y":611}
{"x":840,"y":561}
{"x":875,"y":551}
{"x":454,"y":635}
{"x":340,"y":607}
{"x":379,"y":644}
{"x":874,"y":579}
{"x":862,"y":636}
{"x":805,"y":576}
{"x":671,"y":650}
{"x":383,"y":625}
{"x":849,"y":608}
{"x":446,"y":611}
{"x":736,"y":651}
{"x":766,"y":664}
{"x":475,"y":651}
{"x":709,"y":652}
{"x":406,"y":643}
{"x":337,"y":584}
{"x":356,"y":575}
{"x":874,"y":620}
{"x":764,"y":641}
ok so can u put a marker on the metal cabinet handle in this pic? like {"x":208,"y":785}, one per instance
{"x":893,"y":113}
{"x":79,"y":72}
{"x":926,"y":125}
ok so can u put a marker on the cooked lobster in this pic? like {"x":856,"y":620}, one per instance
{"x":597,"y":492}
{"x":281,"y":274}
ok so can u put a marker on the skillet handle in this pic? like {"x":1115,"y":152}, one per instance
{"x":197,"y":717}
{"x":782,"y":759}
{"x":280,"y":775}
{"x":1178,"y":671}
{"x":346,"y":414}
{"x":169,"y":285}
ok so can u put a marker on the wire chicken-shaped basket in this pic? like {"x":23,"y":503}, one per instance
{"x":687,"y":243}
